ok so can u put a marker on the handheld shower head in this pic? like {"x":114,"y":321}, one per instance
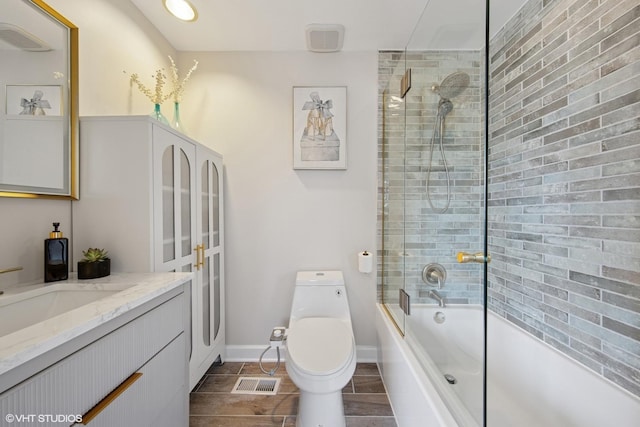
{"x":444,"y":107}
{"x":452,"y":85}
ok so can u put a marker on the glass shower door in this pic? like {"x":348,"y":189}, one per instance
{"x":433,"y":194}
{"x":444,"y":217}
{"x":392,"y":184}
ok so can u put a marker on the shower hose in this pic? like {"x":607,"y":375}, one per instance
{"x":439,"y":131}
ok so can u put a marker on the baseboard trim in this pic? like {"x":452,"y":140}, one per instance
{"x":251,"y":353}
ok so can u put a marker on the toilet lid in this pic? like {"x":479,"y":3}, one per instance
{"x":319,"y":345}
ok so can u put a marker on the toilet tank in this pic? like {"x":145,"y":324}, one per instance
{"x":310,"y":278}
{"x":320,"y":294}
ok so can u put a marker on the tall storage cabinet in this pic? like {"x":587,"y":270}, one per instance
{"x":154,"y":199}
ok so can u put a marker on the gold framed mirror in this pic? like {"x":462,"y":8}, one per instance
{"x":38,"y":102}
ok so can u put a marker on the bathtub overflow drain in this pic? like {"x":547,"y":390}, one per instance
{"x":450,"y":378}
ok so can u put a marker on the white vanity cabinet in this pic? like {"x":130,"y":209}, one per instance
{"x":153,"y":198}
{"x":135,"y":374}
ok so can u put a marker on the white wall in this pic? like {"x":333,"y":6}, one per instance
{"x":280,"y":220}
{"x":114,"y":37}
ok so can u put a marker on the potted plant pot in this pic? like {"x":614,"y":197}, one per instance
{"x":95,"y":264}
{"x":93,"y":270}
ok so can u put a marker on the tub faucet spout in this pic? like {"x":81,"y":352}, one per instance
{"x":436,"y":296}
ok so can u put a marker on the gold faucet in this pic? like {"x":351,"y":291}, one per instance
{"x":9,"y":270}
{"x":477,"y":257}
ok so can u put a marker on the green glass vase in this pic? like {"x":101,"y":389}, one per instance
{"x":176,"y":123}
{"x":157,"y":114}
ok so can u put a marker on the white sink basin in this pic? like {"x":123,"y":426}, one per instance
{"x":36,"y":319}
{"x":30,"y":307}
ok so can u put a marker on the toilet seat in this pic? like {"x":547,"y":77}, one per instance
{"x":320,"y":345}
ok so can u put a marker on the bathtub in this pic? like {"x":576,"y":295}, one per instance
{"x":529,"y":383}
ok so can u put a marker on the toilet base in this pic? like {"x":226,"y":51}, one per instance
{"x":320,"y":410}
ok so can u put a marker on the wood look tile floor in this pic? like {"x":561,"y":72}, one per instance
{"x":212,"y":404}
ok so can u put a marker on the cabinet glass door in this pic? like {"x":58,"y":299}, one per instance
{"x":174,"y":202}
{"x":205,"y":209}
{"x":209,"y":234}
{"x":208,"y":294}
{"x":168,"y":215}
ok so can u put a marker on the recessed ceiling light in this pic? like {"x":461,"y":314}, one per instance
{"x":181,"y":9}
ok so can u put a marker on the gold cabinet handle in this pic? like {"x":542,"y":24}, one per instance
{"x":477,"y":257}
{"x":197,"y":264}
{"x":9,"y":270}
{"x":199,"y":256}
{"x":109,"y":398}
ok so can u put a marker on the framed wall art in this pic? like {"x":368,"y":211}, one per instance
{"x":319,"y":127}
{"x":34,"y":100}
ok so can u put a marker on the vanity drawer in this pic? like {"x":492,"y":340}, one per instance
{"x":78,"y":382}
{"x":157,"y":397}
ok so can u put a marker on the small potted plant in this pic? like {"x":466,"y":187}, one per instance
{"x":94,"y":264}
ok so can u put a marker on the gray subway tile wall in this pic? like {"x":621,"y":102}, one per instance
{"x":415,"y":235}
{"x":564,"y":180}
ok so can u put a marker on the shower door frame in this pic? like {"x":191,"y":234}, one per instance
{"x":397,"y":322}
{"x":481,"y":220}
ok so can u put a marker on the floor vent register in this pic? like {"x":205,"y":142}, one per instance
{"x":256,"y":385}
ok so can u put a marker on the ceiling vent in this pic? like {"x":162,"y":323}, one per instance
{"x":325,"y":37}
{"x":21,"y":38}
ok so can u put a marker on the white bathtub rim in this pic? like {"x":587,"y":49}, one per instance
{"x":445,"y":392}
{"x":474,"y":356}
{"x":626,"y":402}
{"x":449,"y":398}
{"x":441,"y":411}
{"x":516,"y":329}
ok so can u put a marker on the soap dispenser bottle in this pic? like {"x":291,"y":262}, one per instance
{"x":56,"y":256}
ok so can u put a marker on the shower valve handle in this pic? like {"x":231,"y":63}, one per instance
{"x":477,"y":257}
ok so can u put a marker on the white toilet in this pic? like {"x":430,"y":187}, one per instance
{"x":321,"y":351}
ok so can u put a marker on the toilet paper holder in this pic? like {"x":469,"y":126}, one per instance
{"x":365,"y":262}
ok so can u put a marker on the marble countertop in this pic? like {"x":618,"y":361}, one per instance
{"x":133,"y":290}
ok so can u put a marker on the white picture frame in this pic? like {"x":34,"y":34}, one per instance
{"x":33,"y":100}
{"x":319,"y":127}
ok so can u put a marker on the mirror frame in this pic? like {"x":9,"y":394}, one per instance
{"x":72,"y":111}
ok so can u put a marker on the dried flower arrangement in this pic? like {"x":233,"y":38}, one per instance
{"x":157,"y":97}
{"x":178,"y":86}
